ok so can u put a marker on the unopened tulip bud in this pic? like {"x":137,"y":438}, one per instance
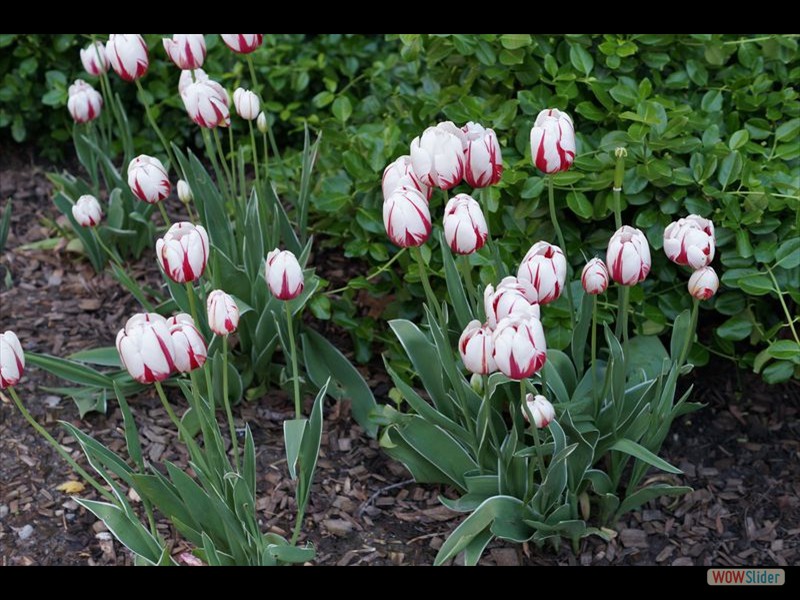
{"x":223,"y":313}
{"x":619,"y":168}
{"x":476,"y":347}
{"x":127,"y":55}
{"x":628,"y":256}
{"x":594,"y":277}
{"x":553,"y":141}
{"x":703,"y":283}
{"x":12,"y":360}
{"x":183,"y":251}
{"x":284,"y":275}
{"x":261,"y":122}
{"x":87,"y":211}
{"x":186,"y":50}
{"x":94,"y":60}
{"x":184,"y":192}
{"x":540,"y":409}
{"x":247,"y":104}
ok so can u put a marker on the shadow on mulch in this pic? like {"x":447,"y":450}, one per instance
{"x":739,"y":453}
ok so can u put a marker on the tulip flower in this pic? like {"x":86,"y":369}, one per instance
{"x":406,"y":217}
{"x":284,"y":275}
{"x":476,"y":347}
{"x":437,"y":156}
{"x":553,"y":141}
{"x":243,"y":43}
{"x":483,"y":159}
{"x":185,"y":194}
{"x":186,"y":50}
{"x":87,"y":211}
{"x":148,"y":179}
{"x":465,"y":228}
{"x":188,"y":77}
{"x":520,"y":349}
{"x":628,"y":256}
{"x":84,"y":102}
{"x":247,"y":104}
{"x":183,"y":251}
{"x":206,"y":102}
{"x":511,"y":298}
{"x":146,"y":348}
{"x":94,"y":60}
{"x":12,"y":360}
{"x":223,"y":313}
{"x":594,"y":277}
{"x":545,"y":267}
{"x":261,"y":122}
{"x":540,"y":409}
{"x":191,"y":351}
{"x":127,"y":55}
{"x":703,"y":283}
{"x":690,"y":241}
{"x":401,"y":174}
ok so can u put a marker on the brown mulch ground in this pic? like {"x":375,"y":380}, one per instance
{"x":740,"y":454}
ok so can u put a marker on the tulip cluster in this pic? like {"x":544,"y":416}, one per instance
{"x":691,"y":242}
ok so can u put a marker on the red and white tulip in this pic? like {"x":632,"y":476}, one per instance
{"x":84,"y":103}
{"x":243,"y":43}
{"x":223,"y":313}
{"x":127,"y":55}
{"x":437,"y":156}
{"x":148,"y":179}
{"x":206,"y":101}
{"x":87,"y":211}
{"x":188,"y":77}
{"x":704,"y":283}
{"x":247,"y":104}
{"x":183,"y":251}
{"x":510,"y":299}
{"x":94,"y":60}
{"x":594,"y":277}
{"x":483,"y":159}
{"x":520,"y":349}
{"x":465,"y":228}
{"x":401,"y":174}
{"x":406,"y":217}
{"x":191,"y":351}
{"x":12,"y":360}
{"x":540,"y":409}
{"x":628,"y":256}
{"x":476,"y":347}
{"x":284,"y":275}
{"x":186,"y":50}
{"x":545,"y":267}
{"x":553,"y":141}
{"x":146,"y":348}
{"x":690,"y":241}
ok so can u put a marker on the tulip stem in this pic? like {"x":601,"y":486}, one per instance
{"x":111,"y":254}
{"x":164,"y":215}
{"x":63,"y":453}
{"x":560,"y":236}
{"x":594,"y":356}
{"x":228,"y":412}
{"x":789,"y":319}
{"x":488,"y":400}
{"x":228,"y":174}
{"x":690,"y":338}
{"x":622,"y":317}
{"x":192,"y":304}
{"x":233,"y":163}
{"x":539,"y":455}
{"x":156,"y":128}
{"x":255,"y":157}
{"x":426,"y":284}
{"x":466,"y":269}
{"x":266,"y":154}
{"x":293,"y":351}
{"x":173,"y":417}
{"x":501,"y":268}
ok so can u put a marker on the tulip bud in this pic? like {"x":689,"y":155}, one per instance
{"x":84,"y":102}
{"x":148,"y":179}
{"x":619,"y":168}
{"x":545,"y":267}
{"x":594,"y":277}
{"x":206,"y":102}
{"x":87,"y":211}
{"x":186,"y":50}
{"x":261,"y":122}
{"x":540,"y":409}
{"x":183,"y":251}
{"x":476,"y":383}
{"x":127,"y":55}
{"x":146,"y":348}
{"x":553,"y":141}
{"x":399,"y":174}
{"x":703,"y":283}
{"x":94,"y":59}
{"x":512,"y":298}
{"x":184,"y":192}
{"x":284,"y":275}
{"x":246,"y":103}
{"x":465,"y":228}
{"x":437,"y":156}
{"x":628,"y":256}
{"x":191,"y":351}
{"x":243,"y":43}
{"x":520,"y":349}
{"x":190,"y":76}
{"x":476,"y":348}
{"x":690,"y":241}
{"x":406,"y":218}
{"x":483,"y":159}
{"x":12,"y":360}
{"x":223,"y":313}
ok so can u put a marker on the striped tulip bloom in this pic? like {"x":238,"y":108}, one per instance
{"x":186,"y":50}
{"x":465,"y":228}
{"x":188,"y":77}
{"x":84,"y":102}
{"x":406,"y":217}
{"x":540,"y":409}
{"x":594,"y":277}
{"x":483,"y":159}
{"x":628,"y":256}
{"x":284,"y":275}
{"x":94,"y":60}
{"x":243,"y":43}
{"x":127,"y":55}
{"x":207,"y":102}
{"x":511,"y":298}
{"x":520,"y":349}
{"x":12,"y":360}
{"x":476,"y":347}
{"x":553,"y":141}
{"x":545,"y":267}
{"x":183,"y":251}
{"x":401,"y":174}
{"x":146,"y":348}
{"x":703,"y":283}
{"x":223,"y":313}
{"x":148,"y":179}
{"x":690,"y":241}
{"x":191,"y":351}
{"x":437,"y":156}
{"x":87,"y":211}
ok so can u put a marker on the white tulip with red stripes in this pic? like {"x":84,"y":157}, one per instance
{"x":628,"y":256}
{"x":540,"y":409}
{"x":127,"y":55}
{"x":183,"y":251}
{"x":483,"y":159}
{"x":520,"y":349}
{"x":476,"y":347}
{"x":148,"y":179}
{"x":243,"y":43}
{"x":186,"y":50}
{"x":190,"y":76}
{"x":437,"y":156}
{"x":594,"y":277}
{"x":690,"y":241}
{"x":87,"y":211}
{"x":146,"y":348}
{"x":94,"y":60}
{"x":284,"y":275}
{"x":511,"y":298}
{"x":12,"y":360}
{"x":553,"y":141}
{"x":465,"y":228}
{"x":247,"y":104}
{"x":545,"y":267}
{"x":223,"y":313}
{"x":191,"y":351}
{"x":207,"y":102}
{"x":84,"y":102}
{"x":400,"y":174}
{"x":406,"y":217}
{"x":703,"y":283}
